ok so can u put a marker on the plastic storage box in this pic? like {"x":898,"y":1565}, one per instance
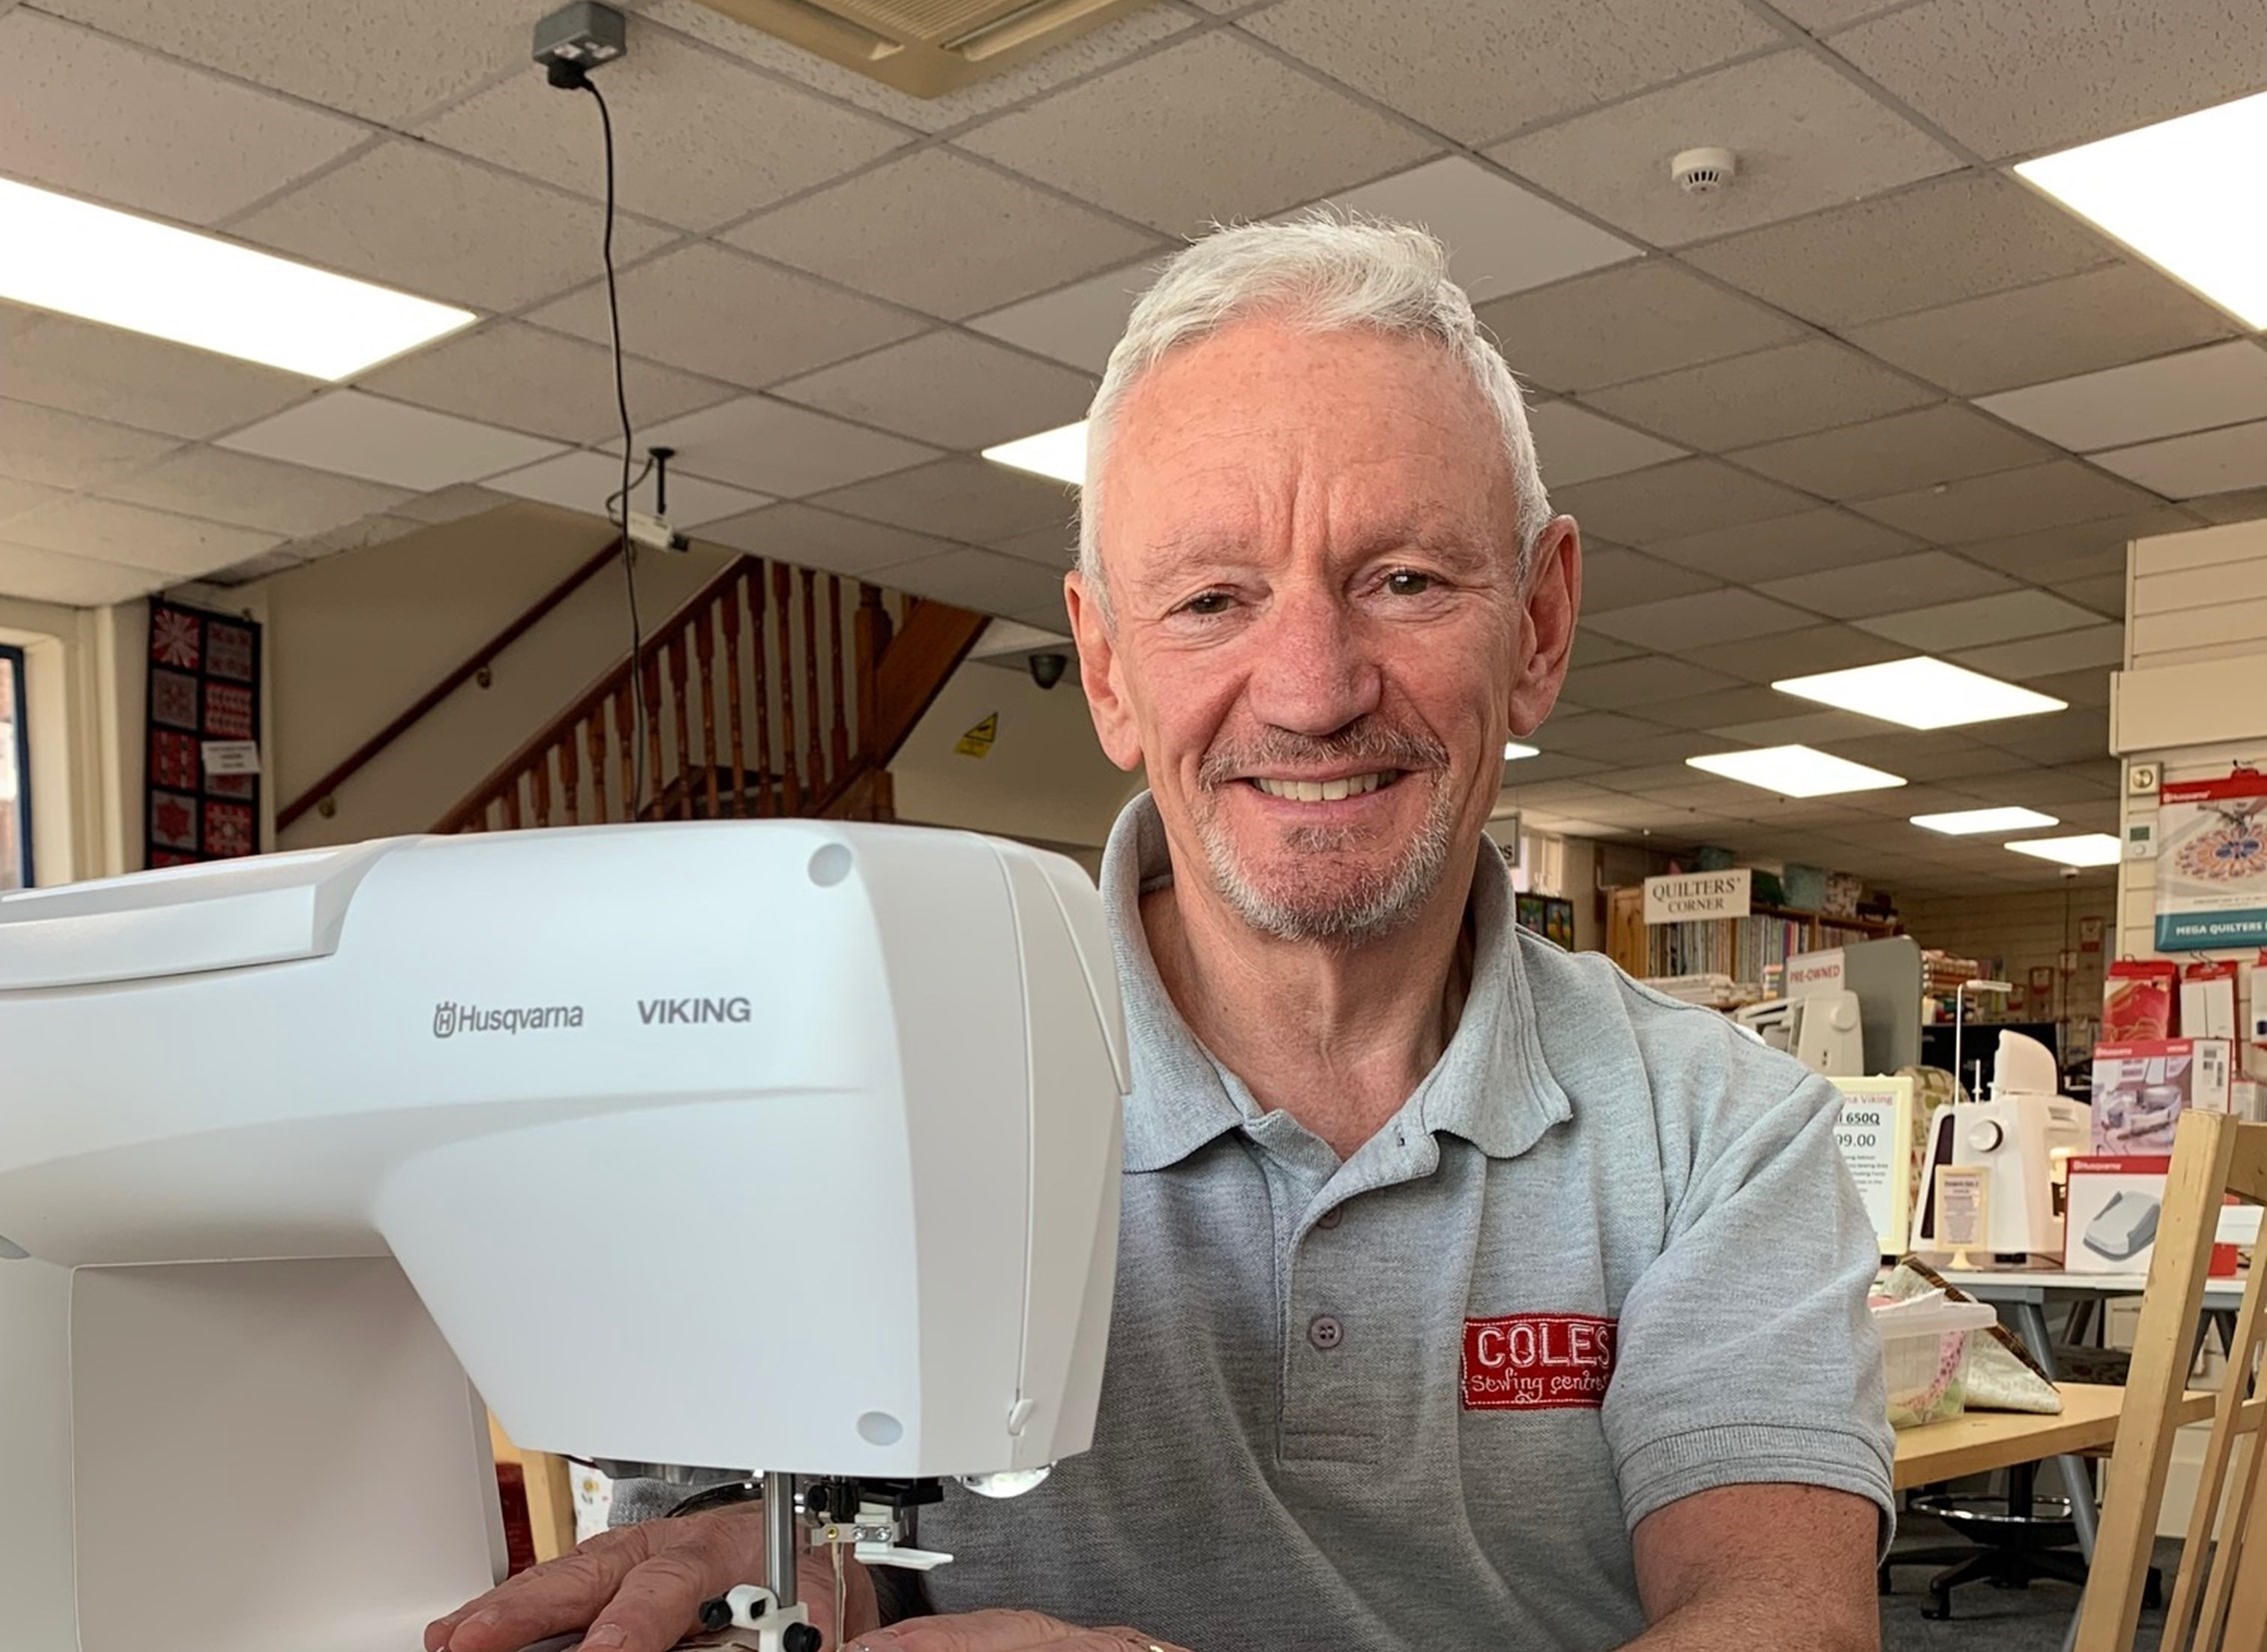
{"x":1924,"y":1356}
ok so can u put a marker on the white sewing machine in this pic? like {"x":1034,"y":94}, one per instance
{"x":1822,"y":1030}
{"x":783,"y":1146}
{"x":2024,"y":1135}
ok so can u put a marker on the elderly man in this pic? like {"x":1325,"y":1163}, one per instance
{"x":1469,"y":1293}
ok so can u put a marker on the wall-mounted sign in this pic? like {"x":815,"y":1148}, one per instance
{"x":977,"y":743}
{"x":2089,"y":935}
{"x":1683,"y":896}
{"x":2212,"y":863}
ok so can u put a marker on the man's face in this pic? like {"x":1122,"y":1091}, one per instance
{"x":1318,"y":639}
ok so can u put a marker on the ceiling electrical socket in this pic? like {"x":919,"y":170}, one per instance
{"x":2141,"y":780}
{"x":583,"y":33}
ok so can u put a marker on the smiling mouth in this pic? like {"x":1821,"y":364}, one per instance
{"x":1324,"y":791}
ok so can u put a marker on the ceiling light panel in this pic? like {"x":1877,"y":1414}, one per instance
{"x":112,"y":266}
{"x":2182,"y":194}
{"x":1059,"y":454}
{"x":1968,"y":822}
{"x":1513,"y":750}
{"x":2090,"y":848}
{"x":1795,"y":772}
{"x":1920,"y":693}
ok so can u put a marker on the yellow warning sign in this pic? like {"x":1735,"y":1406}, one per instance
{"x":977,"y":743}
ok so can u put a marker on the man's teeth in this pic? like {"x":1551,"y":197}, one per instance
{"x":1321,"y":792}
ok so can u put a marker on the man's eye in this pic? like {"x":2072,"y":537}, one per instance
{"x":1208,"y":603}
{"x":1406,"y":581}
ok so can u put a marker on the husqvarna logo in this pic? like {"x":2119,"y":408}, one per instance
{"x":691,"y":1012}
{"x":449,"y":1019}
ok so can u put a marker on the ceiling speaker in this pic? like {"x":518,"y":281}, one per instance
{"x":926,"y":47}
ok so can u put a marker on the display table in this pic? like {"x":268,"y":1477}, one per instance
{"x":1979,"y":1441}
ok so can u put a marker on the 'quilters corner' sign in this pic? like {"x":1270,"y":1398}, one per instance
{"x":1682,"y":897}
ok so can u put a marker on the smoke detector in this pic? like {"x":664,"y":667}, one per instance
{"x":1703,"y":171}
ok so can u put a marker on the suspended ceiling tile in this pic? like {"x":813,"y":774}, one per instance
{"x":2093,"y":648}
{"x":2059,"y":737}
{"x":1934,"y":755}
{"x":700,"y":139}
{"x":1805,"y":137}
{"x":525,"y":378}
{"x":452,"y":504}
{"x":1938,"y":242}
{"x":2105,"y":594}
{"x":1051,"y":615}
{"x":1819,"y":16}
{"x":1944,"y":627}
{"x":1681,"y":623}
{"x":710,"y":311}
{"x":129,"y":379}
{"x":2241,"y":504}
{"x":940,"y":233}
{"x":387,"y":62}
{"x":1500,"y":237}
{"x":1593,"y":647}
{"x":2075,"y":551}
{"x":2073,"y":324}
{"x":1645,"y":680}
{"x":1478,"y":70}
{"x":1775,"y":392}
{"x":2008,"y":80}
{"x":360,"y":435}
{"x":248,"y":492}
{"x":2007,"y":501}
{"x":1629,"y":322}
{"x":1055,"y":547}
{"x":1749,"y":553}
{"x":585,"y":481}
{"x":76,"y":582}
{"x":978,"y":580}
{"x":1796,"y":654}
{"x":822,"y":538}
{"x":411,"y":216}
{"x":1208,"y":129}
{"x":1724,"y":711}
{"x":196,"y":148}
{"x":1808,"y":728}
{"x":1079,"y":324}
{"x":1690,"y":496}
{"x":182,"y":545}
{"x":1892,"y":454}
{"x":1574,"y":445}
{"x":64,"y":450}
{"x":776,"y":449}
{"x":970,"y":500}
{"x":2210,"y":462}
{"x":18,"y":497}
{"x":1076,"y":58}
{"x":1614,"y":578}
{"x":948,"y":388}
{"x":2080,"y":687}
{"x":1541,"y":770}
{"x":1587,"y":731}
{"x":2222,"y":384}
{"x":1887,"y":586}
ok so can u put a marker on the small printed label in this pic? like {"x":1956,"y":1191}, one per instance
{"x":1538,"y":1362}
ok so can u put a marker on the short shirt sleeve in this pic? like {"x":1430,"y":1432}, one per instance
{"x":1745,"y":1352}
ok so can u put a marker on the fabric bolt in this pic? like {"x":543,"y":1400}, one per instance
{"x":1605,"y":1256}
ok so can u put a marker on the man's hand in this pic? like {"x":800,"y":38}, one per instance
{"x":640,"y":1588}
{"x":1002,"y":1632}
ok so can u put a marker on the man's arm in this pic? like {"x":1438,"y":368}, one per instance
{"x":1760,"y":1568}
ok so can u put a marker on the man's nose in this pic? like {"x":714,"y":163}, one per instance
{"x":1314,"y":671}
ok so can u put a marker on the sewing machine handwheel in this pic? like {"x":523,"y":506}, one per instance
{"x":799,"y":1637}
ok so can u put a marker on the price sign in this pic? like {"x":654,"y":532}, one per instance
{"x":1962,"y":1219}
{"x":1875,"y":1135}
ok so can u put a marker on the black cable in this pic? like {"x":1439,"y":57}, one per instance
{"x":621,"y":407}
{"x":619,"y":495}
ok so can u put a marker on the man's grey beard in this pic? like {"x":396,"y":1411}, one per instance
{"x":1380,"y":904}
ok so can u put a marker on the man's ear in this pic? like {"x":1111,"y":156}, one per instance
{"x":1102,"y":674}
{"x":1553,"y":599}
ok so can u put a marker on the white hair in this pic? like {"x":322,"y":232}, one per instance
{"x":1325,"y":271}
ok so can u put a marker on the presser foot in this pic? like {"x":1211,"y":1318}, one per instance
{"x":751,"y":1619}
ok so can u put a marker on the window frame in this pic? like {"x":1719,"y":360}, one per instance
{"x":13,"y":662}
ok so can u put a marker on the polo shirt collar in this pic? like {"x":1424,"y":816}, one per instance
{"x":1490,"y":1087}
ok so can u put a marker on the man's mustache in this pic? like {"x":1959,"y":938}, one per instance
{"x":1375,"y":746}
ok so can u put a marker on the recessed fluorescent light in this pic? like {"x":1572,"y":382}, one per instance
{"x":1795,"y":772}
{"x":1964,"y":822}
{"x":1920,"y":693}
{"x":2090,"y":848}
{"x":1513,"y":750}
{"x":1056,"y":454}
{"x":100,"y":265}
{"x":2183,"y":194}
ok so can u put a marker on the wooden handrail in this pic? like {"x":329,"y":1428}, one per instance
{"x":471,"y":666}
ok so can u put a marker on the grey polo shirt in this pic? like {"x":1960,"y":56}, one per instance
{"x":1604,"y":1257}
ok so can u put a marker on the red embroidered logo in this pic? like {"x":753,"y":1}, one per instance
{"x":1537,"y":1362}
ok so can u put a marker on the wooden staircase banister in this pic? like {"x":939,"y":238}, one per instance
{"x":468,"y":668}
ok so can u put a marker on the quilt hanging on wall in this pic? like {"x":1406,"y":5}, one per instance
{"x":202,"y":772}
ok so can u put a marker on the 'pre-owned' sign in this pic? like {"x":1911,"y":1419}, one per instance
{"x":1686,"y":896}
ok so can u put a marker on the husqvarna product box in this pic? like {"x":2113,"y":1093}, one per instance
{"x":2141,"y":1089}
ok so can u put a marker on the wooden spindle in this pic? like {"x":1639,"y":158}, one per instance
{"x":732,"y":597}
{"x":783,"y":599}
{"x":872,"y":630}
{"x":650,"y":674}
{"x":625,"y":762}
{"x":571,"y":774}
{"x":539,"y":778}
{"x":677,"y":675}
{"x":762,"y":665}
{"x":594,"y":729}
{"x":704,"y":650}
{"x":835,"y":649}
{"x":815,"y":760}
{"x":512,"y":803}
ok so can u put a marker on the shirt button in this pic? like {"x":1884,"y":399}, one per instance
{"x":1324,"y":1332}
{"x":1331,"y":1217}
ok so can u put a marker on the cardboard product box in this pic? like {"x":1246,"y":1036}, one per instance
{"x":2112,"y":1212}
{"x":2141,"y":1089}
{"x":2139,"y":999}
{"x":2207,"y":1000}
